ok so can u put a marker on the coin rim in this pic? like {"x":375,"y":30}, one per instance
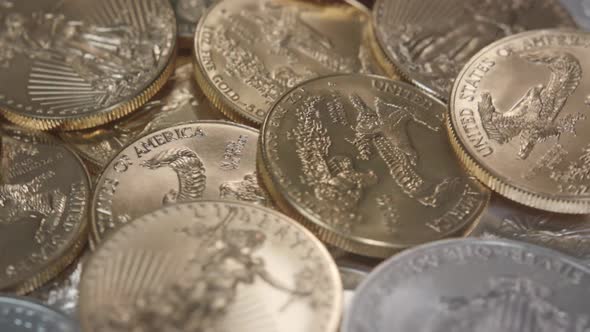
{"x":104,"y":115}
{"x":354,"y":244}
{"x":333,"y":324}
{"x":216,"y":97}
{"x":95,"y":238}
{"x":372,"y":278}
{"x":52,"y":269}
{"x":38,"y":306}
{"x":497,"y":183}
{"x":396,"y":67}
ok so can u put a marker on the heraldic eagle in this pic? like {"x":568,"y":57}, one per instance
{"x":188,"y":168}
{"x":533,"y":117}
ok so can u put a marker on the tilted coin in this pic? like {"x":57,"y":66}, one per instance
{"x":188,"y":14}
{"x":211,"y":266}
{"x":580,"y":10}
{"x":201,"y":160}
{"x":75,"y":64}
{"x":569,"y":234}
{"x":519,"y":119}
{"x":179,"y":101}
{"x":474,"y":285}
{"x":22,"y":315}
{"x":427,"y":42}
{"x":44,"y":198}
{"x":364,"y":161}
{"x":249,"y":52}
{"x":62,"y":292}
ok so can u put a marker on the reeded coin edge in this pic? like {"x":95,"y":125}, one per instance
{"x":545,"y":202}
{"x":334,"y":322}
{"x":71,"y":253}
{"x":504,"y":188}
{"x":216,"y":97}
{"x":357,"y":245}
{"x":101,"y":117}
{"x":385,"y":266}
{"x":95,"y":238}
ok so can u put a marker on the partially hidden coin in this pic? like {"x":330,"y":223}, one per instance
{"x":188,"y":14}
{"x":44,"y":203}
{"x":22,"y":315}
{"x":567,"y":233}
{"x":352,"y":275}
{"x":580,"y":10}
{"x":211,"y":266}
{"x":179,"y":101}
{"x":75,"y":64}
{"x":519,"y":119}
{"x":474,"y":285}
{"x":62,"y":292}
{"x":427,"y":42}
{"x":201,"y":160}
{"x":365,"y":163}
{"x":249,"y":52}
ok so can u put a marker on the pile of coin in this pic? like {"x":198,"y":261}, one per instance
{"x":294,"y":165}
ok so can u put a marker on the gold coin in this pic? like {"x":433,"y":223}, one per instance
{"x":75,"y":64}
{"x":211,"y":266}
{"x":185,"y":162}
{"x":427,"y":42}
{"x":568,"y":233}
{"x":179,"y":101}
{"x":62,"y":291}
{"x":249,"y":52}
{"x":44,"y":198}
{"x":365,"y":163}
{"x":519,"y":119}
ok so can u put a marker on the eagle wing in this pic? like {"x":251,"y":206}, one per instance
{"x":312,"y":143}
{"x":566,"y":74}
{"x":498,"y":127}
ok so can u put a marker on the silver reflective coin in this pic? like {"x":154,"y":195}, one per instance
{"x":580,"y":11}
{"x":18,"y":314}
{"x":472,"y":285}
{"x":188,"y":13}
{"x":569,"y":234}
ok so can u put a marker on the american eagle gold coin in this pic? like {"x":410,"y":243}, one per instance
{"x":44,"y":204}
{"x":519,"y":119}
{"x":75,"y":64}
{"x":180,"y":100}
{"x":180,"y":163}
{"x":365,"y":163}
{"x":211,"y":266}
{"x":249,"y":52}
{"x":427,"y":42}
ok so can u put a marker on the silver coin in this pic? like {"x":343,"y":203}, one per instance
{"x":569,"y":234}
{"x":580,"y":11}
{"x":62,"y":292}
{"x":471,"y":285}
{"x":19,"y":314}
{"x":188,"y":14}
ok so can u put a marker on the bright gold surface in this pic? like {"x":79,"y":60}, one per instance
{"x":184,"y":162}
{"x":180,"y":100}
{"x":79,"y":64}
{"x":211,"y":266}
{"x":249,"y":52}
{"x":44,"y":198}
{"x":519,"y":119}
{"x":365,"y":163}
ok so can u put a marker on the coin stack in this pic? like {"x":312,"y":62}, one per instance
{"x":294,"y":165}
